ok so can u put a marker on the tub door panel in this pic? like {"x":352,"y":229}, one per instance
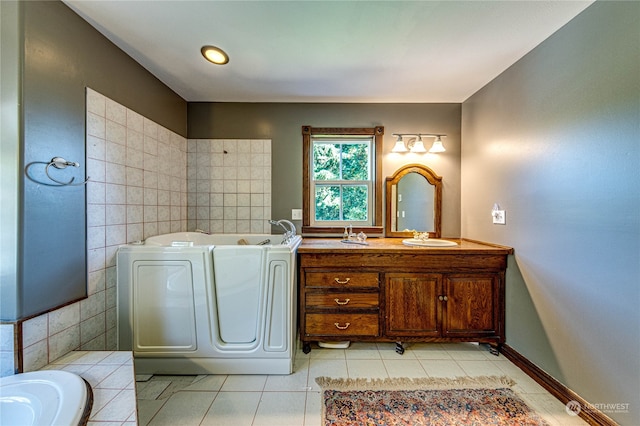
{"x":163,"y":311}
{"x":238,"y":287}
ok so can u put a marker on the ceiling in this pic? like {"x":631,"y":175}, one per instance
{"x":328,"y":51}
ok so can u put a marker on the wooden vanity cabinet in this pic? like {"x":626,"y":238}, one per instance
{"x":340,"y":304}
{"x":411,"y":307}
{"x":390,"y":292}
{"x":473,"y":305}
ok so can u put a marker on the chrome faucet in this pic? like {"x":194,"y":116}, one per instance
{"x":348,"y":233}
{"x":201,"y":231}
{"x":288,"y":232}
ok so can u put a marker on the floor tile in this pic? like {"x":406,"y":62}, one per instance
{"x":404,"y":368}
{"x":177,"y":383}
{"x":147,"y":408}
{"x":312,"y":413}
{"x":465,"y":351}
{"x":325,"y":367}
{"x":244,"y":383}
{"x":292,"y":382}
{"x":232,"y":409}
{"x":480,"y":368}
{"x":280,"y":408}
{"x":362,"y":351}
{"x":441,"y":368}
{"x":367,"y":369}
{"x":429,"y":351}
{"x":151,"y":390}
{"x":184,"y":408}
{"x":327,"y":353}
{"x":211,"y":382}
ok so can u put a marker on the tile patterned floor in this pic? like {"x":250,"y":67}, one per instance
{"x":294,"y":400}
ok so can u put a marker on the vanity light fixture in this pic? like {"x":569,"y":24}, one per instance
{"x":214,"y":55}
{"x":416,"y":145}
{"x":399,"y":146}
{"x":437,"y":145}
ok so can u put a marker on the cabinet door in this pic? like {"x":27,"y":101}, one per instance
{"x":472,"y":305}
{"x":412,"y":304}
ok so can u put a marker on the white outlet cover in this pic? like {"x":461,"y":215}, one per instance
{"x":499,"y":217}
{"x":296,"y":214}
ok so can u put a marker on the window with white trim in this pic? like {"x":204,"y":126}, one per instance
{"x":341,"y":181}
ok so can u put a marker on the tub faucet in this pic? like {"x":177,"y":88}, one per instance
{"x":201,"y":231}
{"x":288,"y":233}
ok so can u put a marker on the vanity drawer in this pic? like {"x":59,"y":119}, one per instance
{"x":341,"y":324}
{"x":342,"y":300}
{"x":341,"y":279}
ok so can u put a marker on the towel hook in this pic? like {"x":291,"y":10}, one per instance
{"x":61,"y":164}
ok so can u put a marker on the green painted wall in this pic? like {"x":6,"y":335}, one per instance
{"x":555,"y":141}
{"x":282,"y":123}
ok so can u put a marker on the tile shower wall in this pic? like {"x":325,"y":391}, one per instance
{"x":229,"y":185}
{"x":145,"y":180}
{"x":138,"y":188}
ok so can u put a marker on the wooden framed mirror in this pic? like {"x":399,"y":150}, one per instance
{"x":414,"y":202}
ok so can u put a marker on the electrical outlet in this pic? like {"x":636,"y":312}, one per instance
{"x":296,"y":214}
{"x":499,"y":217}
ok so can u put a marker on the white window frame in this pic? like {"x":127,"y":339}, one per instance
{"x":369,"y":183}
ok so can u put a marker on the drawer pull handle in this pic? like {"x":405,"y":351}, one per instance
{"x":346,"y":280}
{"x":342,"y":303}
{"x":339,"y":327}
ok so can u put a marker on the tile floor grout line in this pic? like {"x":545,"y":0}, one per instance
{"x":209,"y":408}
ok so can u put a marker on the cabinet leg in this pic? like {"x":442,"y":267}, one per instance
{"x":494,"y":350}
{"x":306,"y":347}
{"x":399,"y":348}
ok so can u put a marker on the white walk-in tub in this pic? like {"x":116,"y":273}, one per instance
{"x":192,"y":303}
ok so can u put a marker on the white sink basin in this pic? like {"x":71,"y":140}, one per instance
{"x":429,"y":243}
{"x":46,"y":397}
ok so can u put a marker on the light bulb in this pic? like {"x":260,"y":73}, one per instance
{"x":215,"y":55}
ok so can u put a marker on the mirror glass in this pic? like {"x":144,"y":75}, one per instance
{"x":414,"y":202}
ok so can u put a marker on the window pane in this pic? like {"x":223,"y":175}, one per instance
{"x":355,"y":161}
{"x":327,"y":202}
{"x":326,"y":161}
{"x":355,"y":202}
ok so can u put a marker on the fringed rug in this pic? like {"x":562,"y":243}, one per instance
{"x":476,"y":401}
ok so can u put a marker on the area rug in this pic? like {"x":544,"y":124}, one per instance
{"x":486,"y":400}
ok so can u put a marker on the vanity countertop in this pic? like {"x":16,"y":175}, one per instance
{"x":395,"y":245}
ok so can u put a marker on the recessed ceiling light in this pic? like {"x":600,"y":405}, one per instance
{"x":215,"y":55}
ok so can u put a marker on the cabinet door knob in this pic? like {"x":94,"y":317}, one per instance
{"x":342,"y":327}
{"x":440,"y":298}
{"x":345,"y":281}
{"x":342,"y":303}
{"x":446,"y":298}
